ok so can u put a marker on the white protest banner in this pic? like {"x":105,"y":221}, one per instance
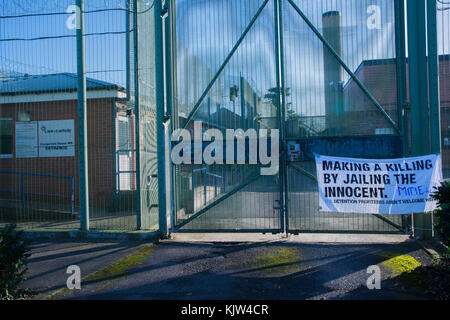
{"x":56,"y":138}
{"x":391,"y":186}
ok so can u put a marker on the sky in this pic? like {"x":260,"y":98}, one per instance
{"x":368,"y":33}
{"x":105,"y":54}
{"x":207,"y":30}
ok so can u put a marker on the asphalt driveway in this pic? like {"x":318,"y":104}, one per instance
{"x":275,"y":269}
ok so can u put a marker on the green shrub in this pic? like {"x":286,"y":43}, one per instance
{"x":442,"y":225}
{"x":14,"y":253}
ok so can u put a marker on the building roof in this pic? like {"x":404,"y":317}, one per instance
{"x":379,"y":77}
{"x":377,"y":62}
{"x":8,"y":75}
{"x":60,"y":82}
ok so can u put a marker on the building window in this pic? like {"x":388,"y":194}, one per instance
{"x":124,"y":133}
{"x":24,"y":116}
{"x":6,"y":137}
{"x":125,"y":155}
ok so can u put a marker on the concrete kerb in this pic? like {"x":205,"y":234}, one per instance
{"x":301,"y":238}
{"x":75,"y":234}
{"x":433,"y":248}
{"x":155,"y":236}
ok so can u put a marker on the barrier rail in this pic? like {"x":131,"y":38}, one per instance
{"x":22,"y":192}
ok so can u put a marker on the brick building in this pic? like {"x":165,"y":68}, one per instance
{"x":39,"y":140}
{"x":379,"y":77}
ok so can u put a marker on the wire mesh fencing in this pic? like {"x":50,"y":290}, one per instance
{"x":38,"y":102}
{"x":336,"y":61}
{"x":325,"y":82}
{"x":342,"y":90}
{"x":39,"y":164}
{"x":225,"y":79}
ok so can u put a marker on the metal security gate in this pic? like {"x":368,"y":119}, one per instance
{"x":348,"y":108}
{"x":329,"y":75}
{"x":224,"y":80}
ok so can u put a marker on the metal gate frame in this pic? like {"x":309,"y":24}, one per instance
{"x":400,"y":49}
{"x":402,"y":102}
{"x":171,"y":56}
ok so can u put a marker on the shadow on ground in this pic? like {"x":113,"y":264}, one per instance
{"x":50,"y":260}
{"x":275,"y":270}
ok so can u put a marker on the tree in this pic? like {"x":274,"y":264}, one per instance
{"x":273,"y":95}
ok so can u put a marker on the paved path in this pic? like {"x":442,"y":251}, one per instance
{"x":49,"y":261}
{"x":275,"y":269}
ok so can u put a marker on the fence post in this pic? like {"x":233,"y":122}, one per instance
{"x":129,"y":27}
{"x":433,"y":85}
{"x":421,"y":141}
{"x":169,"y":113}
{"x":159,"y":77}
{"x":433,"y":77}
{"x":137,"y":115}
{"x":280,"y":112}
{"x":82,"y":120}
{"x":417,"y":81}
{"x":402,"y":99}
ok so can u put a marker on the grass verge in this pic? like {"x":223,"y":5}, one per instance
{"x":111,"y":273}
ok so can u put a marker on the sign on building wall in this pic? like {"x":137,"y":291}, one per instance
{"x":395,"y":186}
{"x":26,"y":139}
{"x":56,"y":138}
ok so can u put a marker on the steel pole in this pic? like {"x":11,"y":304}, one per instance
{"x":82,"y":120}
{"x":433,"y":86}
{"x":433,"y":78}
{"x":159,"y":77}
{"x":402,"y":99}
{"x":418,"y":94}
{"x":137,"y":116}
